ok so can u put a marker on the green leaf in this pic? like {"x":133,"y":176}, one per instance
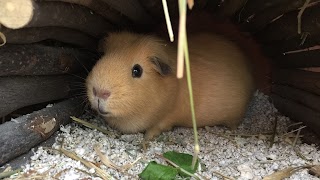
{"x":183,"y":160}
{"x":156,"y":171}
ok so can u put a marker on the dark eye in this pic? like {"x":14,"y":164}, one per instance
{"x":137,"y":71}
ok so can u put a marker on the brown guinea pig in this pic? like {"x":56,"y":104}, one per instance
{"x":134,"y":85}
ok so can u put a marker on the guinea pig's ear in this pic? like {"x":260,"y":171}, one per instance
{"x":160,"y":66}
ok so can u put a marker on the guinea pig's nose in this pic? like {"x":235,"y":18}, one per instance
{"x":103,"y":94}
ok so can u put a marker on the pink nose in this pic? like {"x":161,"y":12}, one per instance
{"x":103,"y":94}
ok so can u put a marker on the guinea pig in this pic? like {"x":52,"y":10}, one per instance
{"x":134,"y":85}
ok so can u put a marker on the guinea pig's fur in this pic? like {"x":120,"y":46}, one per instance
{"x":157,"y":101}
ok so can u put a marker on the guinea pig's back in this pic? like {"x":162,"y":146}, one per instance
{"x":222,"y":80}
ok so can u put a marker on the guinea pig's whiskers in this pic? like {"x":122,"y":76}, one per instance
{"x":82,"y":104}
{"x":81,"y":94}
{"x":87,"y":106}
{"x":77,"y":76}
{"x":79,"y":91}
{"x":85,"y":103}
{"x":78,"y":86}
{"x":78,"y":96}
{"x":83,"y":89}
{"x":79,"y":83}
{"x":88,"y":109}
{"x":82,"y":65}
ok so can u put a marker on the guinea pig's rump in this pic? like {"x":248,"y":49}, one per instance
{"x":222,"y":80}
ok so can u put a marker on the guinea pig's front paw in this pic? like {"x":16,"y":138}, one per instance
{"x":149,"y":135}
{"x":155,"y":131}
{"x":152,"y":133}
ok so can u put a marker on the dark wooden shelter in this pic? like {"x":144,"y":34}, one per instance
{"x":48,"y":46}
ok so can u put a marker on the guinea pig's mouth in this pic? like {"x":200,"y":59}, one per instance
{"x":104,"y":113}
{"x":101,"y":110}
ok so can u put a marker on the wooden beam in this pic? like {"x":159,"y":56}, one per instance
{"x":228,"y":8}
{"x":65,"y":35}
{"x":286,"y":27}
{"x":102,"y":8}
{"x":265,"y":17}
{"x":16,"y":13}
{"x":132,"y":9}
{"x":253,"y":8}
{"x":58,"y":14}
{"x":43,"y":60}
{"x":23,"y":133}
{"x":20,"y":91}
{"x":155,"y":8}
{"x":298,"y":112}
{"x":278,"y":47}
{"x":302,"y":97}
{"x":298,"y":60}
{"x":305,"y":80}
{"x":70,"y":16}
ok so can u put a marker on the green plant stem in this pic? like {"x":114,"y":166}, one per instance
{"x":193,"y":114}
{"x":9,"y":173}
{"x":89,"y":125}
{"x":183,"y":12}
{"x":176,"y":166}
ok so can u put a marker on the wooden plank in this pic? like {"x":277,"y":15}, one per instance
{"x":228,"y":8}
{"x":278,"y":47}
{"x":43,"y":60}
{"x":23,"y":133}
{"x":16,"y":13}
{"x":299,"y":60}
{"x":265,"y":17}
{"x":305,"y":80}
{"x":132,"y":9}
{"x":70,"y":16}
{"x":286,"y":27}
{"x":253,"y":7}
{"x":20,"y":91}
{"x":305,"y":98}
{"x":65,"y":35}
{"x":102,"y":8}
{"x":66,"y":15}
{"x":155,"y":8}
{"x":298,"y":112}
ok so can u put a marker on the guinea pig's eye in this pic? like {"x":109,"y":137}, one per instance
{"x":137,"y":71}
